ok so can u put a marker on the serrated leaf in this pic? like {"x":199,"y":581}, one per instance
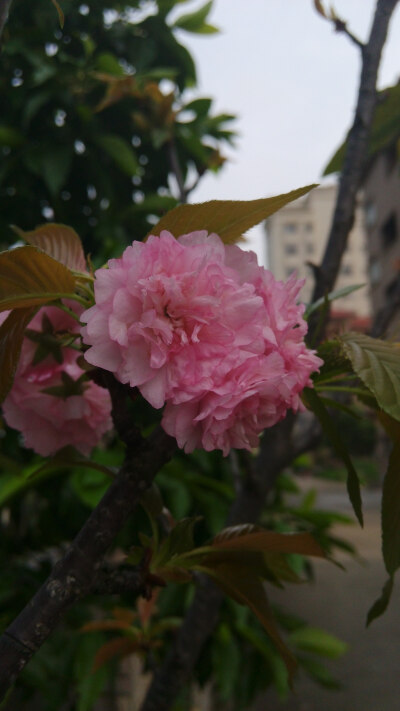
{"x":227,"y":218}
{"x":239,"y":538}
{"x":318,"y":641}
{"x":29,"y":277}
{"x":380,"y":605}
{"x":377,"y":363}
{"x":58,"y":241}
{"x":11,"y":336}
{"x":247,"y":589}
{"x":391,"y":512}
{"x":120,"y":151}
{"x":313,"y":402}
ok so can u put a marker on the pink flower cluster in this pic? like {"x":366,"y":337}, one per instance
{"x":198,"y":325}
{"x":49,"y":422}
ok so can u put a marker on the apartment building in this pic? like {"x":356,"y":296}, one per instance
{"x":297,"y":235}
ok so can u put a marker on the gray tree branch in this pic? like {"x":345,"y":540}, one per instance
{"x":355,"y":157}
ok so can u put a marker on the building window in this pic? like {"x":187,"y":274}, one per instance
{"x":308,"y":227}
{"x":389,"y":230}
{"x":290,"y":248}
{"x":289,"y":227}
{"x":375,"y":271}
{"x":309,"y":248}
{"x":370,"y":214}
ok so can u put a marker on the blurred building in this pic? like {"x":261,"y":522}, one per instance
{"x":382,"y":217}
{"x":296,"y":236}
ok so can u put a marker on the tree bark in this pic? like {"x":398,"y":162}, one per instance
{"x":75,"y":574}
{"x":355,"y":158}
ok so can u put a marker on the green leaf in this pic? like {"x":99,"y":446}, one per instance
{"x":391,"y":512}
{"x":384,"y":130}
{"x":380,"y":605}
{"x":192,"y":22}
{"x":58,"y":241}
{"x":179,"y":541}
{"x":332,"y":296}
{"x":29,"y":277}
{"x":319,"y":672}
{"x":108,"y":62}
{"x":120,"y":151}
{"x":11,"y":336}
{"x":10,"y":136}
{"x":227,"y":218}
{"x":54,"y":167}
{"x":274,"y":662}
{"x":313,"y":402}
{"x":13,"y":484}
{"x":313,"y":639}
{"x":226,"y":660}
{"x":89,"y":484}
{"x":200,"y":107}
{"x":242,"y":585}
{"x":377,"y":363}
{"x":207,"y":29}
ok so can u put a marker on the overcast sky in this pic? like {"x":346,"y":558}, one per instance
{"x":291,"y":80}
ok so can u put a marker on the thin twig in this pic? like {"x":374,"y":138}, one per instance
{"x":341,"y":26}
{"x":176,"y":169}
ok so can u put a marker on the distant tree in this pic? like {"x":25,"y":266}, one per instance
{"x":95,"y":127}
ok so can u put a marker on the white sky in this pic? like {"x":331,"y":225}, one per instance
{"x":291,"y":80}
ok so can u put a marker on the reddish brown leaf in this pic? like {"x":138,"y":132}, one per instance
{"x":147,"y":608}
{"x":239,"y":538}
{"x":118,"y":647}
{"x":29,"y":277}
{"x":227,"y":218}
{"x":11,"y":336}
{"x":244,"y":587}
{"x":102,"y":625}
{"x":58,"y":241}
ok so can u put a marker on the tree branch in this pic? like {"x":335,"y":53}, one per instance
{"x":4,"y":11}
{"x":355,"y":157}
{"x":341,"y":26}
{"x":202,"y":616}
{"x":176,"y":169}
{"x":76,"y":573}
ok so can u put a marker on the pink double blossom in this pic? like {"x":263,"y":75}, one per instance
{"x":48,"y":421}
{"x":200,"y":326}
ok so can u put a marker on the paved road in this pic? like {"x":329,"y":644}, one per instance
{"x":338,"y":602}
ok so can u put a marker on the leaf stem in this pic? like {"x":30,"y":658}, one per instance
{"x":68,"y":311}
